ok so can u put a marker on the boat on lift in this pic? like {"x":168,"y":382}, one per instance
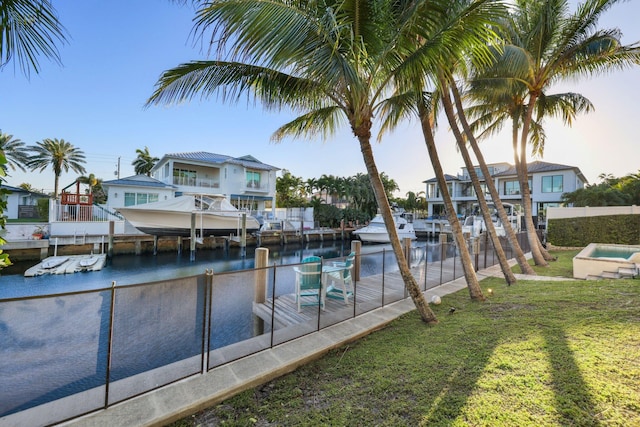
{"x":214,"y":216}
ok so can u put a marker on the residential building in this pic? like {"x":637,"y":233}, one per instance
{"x":22,"y":203}
{"x":136,"y":190}
{"x":245,"y":181}
{"x":547,"y":183}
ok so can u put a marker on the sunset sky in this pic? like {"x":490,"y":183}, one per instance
{"x":117,"y":50}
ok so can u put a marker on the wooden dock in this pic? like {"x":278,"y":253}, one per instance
{"x":370,"y":292}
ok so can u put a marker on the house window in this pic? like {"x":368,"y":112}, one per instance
{"x":132,"y":199}
{"x":552,"y":184}
{"x":511,"y":188}
{"x":253,"y":179}
{"x":184,"y":177}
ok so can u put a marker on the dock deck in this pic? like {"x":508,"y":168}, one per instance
{"x":370,"y":292}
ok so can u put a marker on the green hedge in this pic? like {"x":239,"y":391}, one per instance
{"x":577,"y":232}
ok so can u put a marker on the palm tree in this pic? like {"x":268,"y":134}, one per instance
{"x":331,"y":61}
{"x":144,"y":162}
{"x":28,"y":29}
{"x":14,"y":151}
{"x":546,"y":44}
{"x":57,"y":154}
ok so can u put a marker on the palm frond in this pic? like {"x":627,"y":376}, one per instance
{"x":322,"y":122}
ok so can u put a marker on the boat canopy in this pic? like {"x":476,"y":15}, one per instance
{"x":189,"y":203}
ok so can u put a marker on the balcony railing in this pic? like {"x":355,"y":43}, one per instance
{"x":196,"y":182}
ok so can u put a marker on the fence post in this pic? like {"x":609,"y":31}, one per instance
{"x":260,"y":287}
{"x":356,"y":247}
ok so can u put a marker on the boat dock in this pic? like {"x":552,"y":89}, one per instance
{"x":67,"y":264}
{"x":368,"y":293}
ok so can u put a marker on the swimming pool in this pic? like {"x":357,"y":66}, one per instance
{"x":610,"y":259}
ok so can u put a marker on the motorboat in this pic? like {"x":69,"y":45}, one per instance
{"x":475,"y":224}
{"x":376,"y":231}
{"x":212,"y":215}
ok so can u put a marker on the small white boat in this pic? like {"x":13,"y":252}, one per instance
{"x":376,"y":231}
{"x":53,"y":262}
{"x":214,"y":216}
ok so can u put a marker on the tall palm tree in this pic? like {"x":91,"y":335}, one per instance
{"x":14,"y":151}
{"x":546,"y":44}
{"x":58,"y":154}
{"x":332,"y":61}
{"x":29,"y":29}
{"x":144,"y":162}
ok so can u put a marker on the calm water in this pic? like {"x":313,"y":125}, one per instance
{"x":153,"y":326}
{"x":134,"y":269}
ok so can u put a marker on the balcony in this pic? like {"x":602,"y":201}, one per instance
{"x":195,"y":182}
{"x":256,"y":186}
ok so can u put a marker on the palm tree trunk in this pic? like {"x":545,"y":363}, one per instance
{"x":523,"y":175}
{"x":363,"y":133}
{"x":473,"y":285}
{"x":525,"y":268}
{"x":484,"y":208}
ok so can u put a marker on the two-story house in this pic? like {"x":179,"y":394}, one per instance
{"x":547,"y":183}
{"x":245,"y":181}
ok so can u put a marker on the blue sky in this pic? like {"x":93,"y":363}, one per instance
{"x":117,"y":49}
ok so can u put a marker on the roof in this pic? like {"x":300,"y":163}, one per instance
{"x":22,"y":190}
{"x":532,"y":167}
{"x":217,"y":159}
{"x":542,"y":167}
{"x":137,"y":181}
{"x":447,"y":178}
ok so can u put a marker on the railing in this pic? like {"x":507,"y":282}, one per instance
{"x":91,"y":213}
{"x":69,"y":354}
{"x":196,"y":182}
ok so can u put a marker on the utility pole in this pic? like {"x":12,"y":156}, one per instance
{"x":117,"y":172}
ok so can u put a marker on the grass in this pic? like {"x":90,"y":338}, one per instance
{"x":534,"y":354}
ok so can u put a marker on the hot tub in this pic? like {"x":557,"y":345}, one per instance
{"x":604,"y":259}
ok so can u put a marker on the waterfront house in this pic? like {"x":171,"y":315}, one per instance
{"x":246,"y":181}
{"x":547,"y":183}
{"x":136,"y":190}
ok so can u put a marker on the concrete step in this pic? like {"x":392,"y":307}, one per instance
{"x":627,"y":272}
{"x":610,"y":275}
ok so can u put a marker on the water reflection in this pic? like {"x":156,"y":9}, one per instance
{"x":134,"y":269}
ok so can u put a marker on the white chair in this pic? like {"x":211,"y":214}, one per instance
{"x":343,"y":279}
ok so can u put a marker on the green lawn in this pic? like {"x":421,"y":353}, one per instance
{"x":534,"y":354}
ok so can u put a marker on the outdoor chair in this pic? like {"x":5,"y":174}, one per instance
{"x":343,"y":279}
{"x":309,"y":282}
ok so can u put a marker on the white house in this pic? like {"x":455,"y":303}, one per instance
{"x":136,"y":190}
{"x":547,"y":183}
{"x":245,"y":181}
{"x":22,"y":203}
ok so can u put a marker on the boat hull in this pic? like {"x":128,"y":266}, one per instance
{"x":171,"y":223}
{"x":382,"y":237}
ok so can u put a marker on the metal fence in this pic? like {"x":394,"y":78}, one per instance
{"x":70,"y":354}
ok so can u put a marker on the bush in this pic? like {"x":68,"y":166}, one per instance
{"x":43,"y":209}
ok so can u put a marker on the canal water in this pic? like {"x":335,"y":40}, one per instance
{"x":54,"y":347}
{"x":134,"y":269}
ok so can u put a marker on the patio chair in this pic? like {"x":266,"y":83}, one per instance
{"x":309,"y":282}
{"x":343,"y":279}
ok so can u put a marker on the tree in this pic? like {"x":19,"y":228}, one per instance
{"x":330,"y":61}
{"x":14,"y":152}
{"x":29,"y":29}
{"x":546,"y":44}
{"x":4,"y":258}
{"x":289,"y":190}
{"x":58,"y":154}
{"x":144,"y":162}
{"x":95,"y":187}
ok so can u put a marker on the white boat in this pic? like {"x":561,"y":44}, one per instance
{"x":475,"y":225}
{"x":376,"y":232}
{"x":214,"y":216}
